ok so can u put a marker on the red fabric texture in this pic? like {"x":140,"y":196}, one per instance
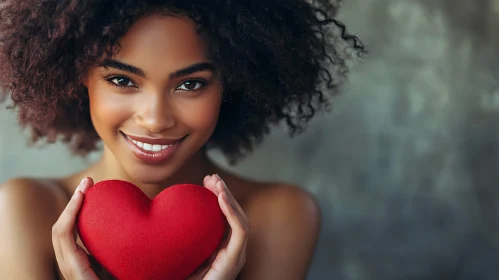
{"x":135,"y":238}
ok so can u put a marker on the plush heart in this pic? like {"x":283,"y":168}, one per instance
{"x":134,"y":237}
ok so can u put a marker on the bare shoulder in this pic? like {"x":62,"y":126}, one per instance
{"x":284,"y":228}
{"x":31,"y":204}
{"x":29,"y":208}
{"x":284,"y":196}
{"x":35,"y":196}
{"x":278,"y":205}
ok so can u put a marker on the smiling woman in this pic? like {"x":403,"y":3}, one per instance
{"x":161,"y":88}
{"x":160,"y":83}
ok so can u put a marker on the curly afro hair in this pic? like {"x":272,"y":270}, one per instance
{"x":278,"y":59}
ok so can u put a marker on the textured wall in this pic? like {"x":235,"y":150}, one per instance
{"x":404,"y":166}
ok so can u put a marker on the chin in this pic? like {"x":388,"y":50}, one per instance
{"x":150,"y":175}
{"x":151,"y":181}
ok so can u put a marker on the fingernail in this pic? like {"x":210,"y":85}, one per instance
{"x":82,"y":183}
{"x":222,"y":186}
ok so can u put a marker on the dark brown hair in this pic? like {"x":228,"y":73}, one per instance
{"x":279,"y":60}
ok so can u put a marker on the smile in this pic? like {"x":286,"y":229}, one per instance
{"x":150,"y":147}
{"x":152,"y":151}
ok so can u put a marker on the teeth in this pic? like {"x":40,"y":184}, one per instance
{"x":150,"y":147}
{"x":156,"y":148}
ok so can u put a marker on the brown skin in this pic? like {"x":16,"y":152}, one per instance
{"x":154,"y":105}
{"x":285,"y":220}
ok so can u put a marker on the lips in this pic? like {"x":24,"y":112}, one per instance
{"x":153,"y":141}
{"x":152,"y":150}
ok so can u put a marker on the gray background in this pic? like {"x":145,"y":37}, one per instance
{"x":404,"y":166}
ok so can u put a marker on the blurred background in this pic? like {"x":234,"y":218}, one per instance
{"x":404,"y":167}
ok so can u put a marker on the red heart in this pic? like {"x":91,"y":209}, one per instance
{"x":134,"y":237}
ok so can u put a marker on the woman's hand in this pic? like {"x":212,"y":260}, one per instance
{"x":73,"y":261}
{"x":230,"y":259}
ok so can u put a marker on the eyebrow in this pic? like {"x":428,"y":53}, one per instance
{"x":198,"y":67}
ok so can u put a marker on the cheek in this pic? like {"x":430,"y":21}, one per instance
{"x":107,"y":109}
{"x":201,"y":113}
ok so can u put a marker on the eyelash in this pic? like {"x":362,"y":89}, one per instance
{"x":110,"y":79}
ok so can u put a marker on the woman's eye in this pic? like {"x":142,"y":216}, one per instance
{"x":191,"y":85}
{"x":122,"y":82}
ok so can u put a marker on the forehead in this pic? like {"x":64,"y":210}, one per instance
{"x":166,"y":42}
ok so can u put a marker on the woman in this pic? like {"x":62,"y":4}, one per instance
{"x":158,"y":83}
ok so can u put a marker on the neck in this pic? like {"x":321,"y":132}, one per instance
{"x":192,"y":172}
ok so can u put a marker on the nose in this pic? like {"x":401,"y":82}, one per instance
{"x":155,"y":115}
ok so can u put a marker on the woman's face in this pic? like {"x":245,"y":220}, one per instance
{"x":156,"y":103}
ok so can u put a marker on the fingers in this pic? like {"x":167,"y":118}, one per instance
{"x":66,"y":222}
{"x":201,"y":272}
{"x":61,"y":231}
{"x":239,"y":227}
{"x":63,"y":228}
{"x":236,"y":217}
{"x":85,"y":184}
{"x":68,"y":254}
{"x":216,"y":185}
{"x":221,"y":187}
{"x":210,"y":183}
